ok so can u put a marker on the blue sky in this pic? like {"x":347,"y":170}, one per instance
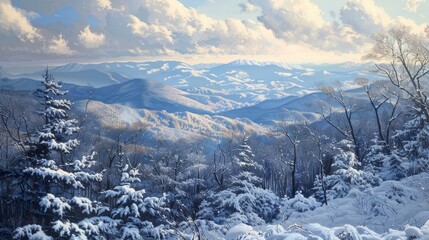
{"x":199,"y":30}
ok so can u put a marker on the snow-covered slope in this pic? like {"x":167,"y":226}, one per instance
{"x":393,"y":210}
{"x":169,"y":126}
{"x":294,"y":108}
{"x":139,"y":93}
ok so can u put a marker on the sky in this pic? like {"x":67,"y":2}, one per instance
{"x":199,"y":31}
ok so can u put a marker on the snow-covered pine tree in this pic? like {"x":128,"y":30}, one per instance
{"x":53,"y":135}
{"x":55,"y":180}
{"x":393,"y":166}
{"x":346,"y":174}
{"x":244,"y":158}
{"x":413,"y":145}
{"x":319,"y":189}
{"x":374,"y":161}
{"x":244,"y":200}
{"x":133,"y":210}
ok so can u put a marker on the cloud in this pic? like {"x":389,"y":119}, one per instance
{"x":104,"y":4}
{"x":158,"y":28}
{"x":169,"y":27}
{"x":302,"y":22}
{"x":13,"y":20}
{"x":90,"y":39}
{"x":364,"y":17}
{"x":151,"y":33}
{"x":59,"y":46}
{"x":247,"y":7}
{"x":413,"y":5}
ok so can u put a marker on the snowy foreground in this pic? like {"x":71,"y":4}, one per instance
{"x":393,"y":210}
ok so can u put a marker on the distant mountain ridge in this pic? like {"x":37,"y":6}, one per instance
{"x":220,"y":87}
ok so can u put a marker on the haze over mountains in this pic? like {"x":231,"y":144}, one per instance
{"x":262,"y":92}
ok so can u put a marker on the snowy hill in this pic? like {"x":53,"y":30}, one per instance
{"x":371,"y":214}
{"x":162,"y":125}
{"x":296,"y":108}
{"x":139,"y":93}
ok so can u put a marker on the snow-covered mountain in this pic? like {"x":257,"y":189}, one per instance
{"x":293,"y":108}
{"x":221,"y":86}
{"x":84,"y":77}
{"x":163,"y":125}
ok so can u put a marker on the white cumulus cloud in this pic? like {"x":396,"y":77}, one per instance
{"x":16,"y":22}
{"x":90,"y":39}
{"x":104,"y":4}
{"x":364,"y":16}
{"x":302,"y":22}
{"x":59,"y":46}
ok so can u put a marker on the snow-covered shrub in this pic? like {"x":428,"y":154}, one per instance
{"x":299,"y":203}
{"x":202,"y":229}
{"x":242,"y":231}
{"x":315,"y":231}
{"x":242,"y":202}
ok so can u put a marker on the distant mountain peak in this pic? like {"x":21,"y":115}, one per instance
{"x":244,"y":62}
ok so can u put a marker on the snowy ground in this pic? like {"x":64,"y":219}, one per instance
{"x":393,"y":210}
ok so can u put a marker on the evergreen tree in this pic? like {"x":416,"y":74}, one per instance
{"x":393,"y":167}
{"x":51,"y":174}
{"x":346,"y":174}
{"x":413,"y":144}
{"x":243,"y":201}
{"x":245,"y":157}
{"x":130,"y":207}
{"x":53,"y":135}
{"x":374,"y":161}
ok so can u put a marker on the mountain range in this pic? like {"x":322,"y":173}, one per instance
{"x":216,"y":96}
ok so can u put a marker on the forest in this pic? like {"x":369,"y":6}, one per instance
{"x":64,"y":174}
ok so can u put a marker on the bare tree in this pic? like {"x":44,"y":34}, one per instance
{"x":348,"y":108}
{"x":379,"y":95}
{"x":404,"y":60}
{"x":316,"y":138}
{"x":291,"y":133}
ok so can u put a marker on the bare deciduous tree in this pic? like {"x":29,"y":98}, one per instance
{"x":404,"y":59}
{"x":348,"y":108}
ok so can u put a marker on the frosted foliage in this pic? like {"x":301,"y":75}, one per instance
{"x":299,"y":204}
{"x":84,"y":203}
{"x":57,"y":125}
{"x":245,"y":157}
{"x":130,"y":232}
{"x":95,"y":226}
{"x":33,"y":232}
{"x":129,"y":174}
{"x":414,"y":145}
{"x":74,"y":174}
{"x":375,"y":160}
{"x":315,"y":231}
{"x":346,"y":176}
{"x":65,"y":228}
{"x":55,"y":204}
{"x":130,"y":205}
{"x":394,"y":166}
{"x":242,"y":202}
